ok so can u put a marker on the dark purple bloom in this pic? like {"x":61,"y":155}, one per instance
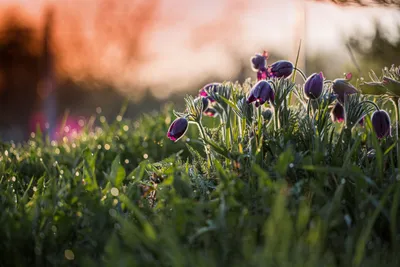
{"x":342,"y":87}
{"x":177,"y":129}
{"x":261,"y":93}
{"x":208,"y":88}
{"x":210,"y":112}
{"x":259,"y":62}
{"x":314,"y":85}
{"x":337,"y":113}
{"x":381,"y":123}
{"x":281,"y":68}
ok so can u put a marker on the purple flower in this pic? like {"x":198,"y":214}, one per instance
{"x":342,"y":87}
{"x":207,"y":88}
{"x":314,"y":85}
{"x":337,"y":113}
{"x":281,"y":68}
{"x":259,"y":62}
{"x":261,"y":93}
{"x":177,"y":129}
{"x":381,"y":123}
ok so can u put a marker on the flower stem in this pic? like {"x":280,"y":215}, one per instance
{"x":203,"y":136}
{"x":301,"y":73}
{"x":372,"y":103}
{"x":395,"y":102}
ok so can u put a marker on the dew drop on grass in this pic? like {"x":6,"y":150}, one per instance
{"x":69,"y":254}
{"x":114,"y":191}
{"x":112,"y":212}
{"x":291,"y":165}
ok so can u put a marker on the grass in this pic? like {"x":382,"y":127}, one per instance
{"x":291,"y":189}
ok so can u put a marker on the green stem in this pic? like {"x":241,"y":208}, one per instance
{"x":395,"y":102}
{"x":302,"y":74}
{"x":203,"y":136}
{"x":372,"y":103}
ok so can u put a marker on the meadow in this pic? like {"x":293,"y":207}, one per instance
{"x":270,"y":172}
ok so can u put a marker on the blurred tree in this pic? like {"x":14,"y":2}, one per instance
{"x":19,"y":69}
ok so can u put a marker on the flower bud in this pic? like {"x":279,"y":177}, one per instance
{"x":381,"y":123}
{"x":342,"y":87}
{"x":337,"y":113}
{"x":281,"y":68}
{"x":314,"y":85}
{"x":261,"y":93}
{"x":259,"y":62}
{"x":177,"y":129}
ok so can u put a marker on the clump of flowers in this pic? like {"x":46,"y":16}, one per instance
{"x":246,"y":112}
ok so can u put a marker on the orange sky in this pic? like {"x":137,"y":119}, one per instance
{"x":170,"y":44}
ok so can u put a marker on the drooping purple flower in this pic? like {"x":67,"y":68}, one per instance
{"x":177,"y":129}
{"x":261,"y":93}
{"x":314,"y":85}
{"x":381,"y":123}
{"x":342,"y":87}
{"x":211,"y":87}
{"x":259,"y":61}
{"x":337,"y":113}
{"x":281,"y":68}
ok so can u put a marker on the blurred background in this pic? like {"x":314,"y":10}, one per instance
{"x":84,"y":57}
